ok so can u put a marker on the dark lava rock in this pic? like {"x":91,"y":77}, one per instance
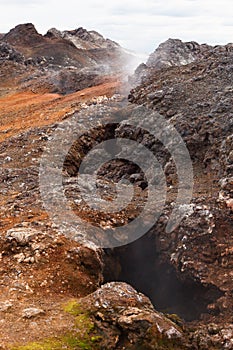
{"x":55,"y":49}
{"x":191,"y":86}
{"x":23,"y":34}
{"x":174,"y":52}
{"x":61,"y":62}
{"x":83,"y":39}
{"x":9,"y":53}
{"x":127,"y":320}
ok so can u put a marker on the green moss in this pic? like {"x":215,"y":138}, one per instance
{"x":84,"y":324}
{"x":71,"y":341}
{"x":75,"y":343}
{"x":73,"y":308}
{"x":83,"y":321}
{"x":68,"y":341}
{"x":85,"y":346}
{"x":48,"y":344}
{"x":84,"y":336}
{"x":96,"y":339}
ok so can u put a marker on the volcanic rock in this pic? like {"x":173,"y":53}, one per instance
{"x":23,"y":35}
{"x":84,"y":39}
{"x":5,"y":306}
{"x":32,"y":312}
{"x":128,"y":318}
{"x":9,"y":53}
{"x":62,"y":62}
{"x":174,"y":52}
{"x":190,"y":86}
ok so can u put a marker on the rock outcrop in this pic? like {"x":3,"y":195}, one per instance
{"x":83,"y":39}
{"x":62,"y":62}
{"x":127,"y":319}
{"x":7,"y":52}
{"x":174,"y":52}
{"x":190,"y":85}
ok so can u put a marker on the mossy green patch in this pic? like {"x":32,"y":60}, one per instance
{"x":71,"y":341}
{"x":83,"y":337}
{"x":73,"y":307}
{"x":84,"y":324}
{"x":48,"y":344}
{"x":96,"y":339}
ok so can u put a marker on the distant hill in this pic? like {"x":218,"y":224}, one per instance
{"x":60,"y":61}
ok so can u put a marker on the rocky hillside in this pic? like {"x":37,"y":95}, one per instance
{"x":191,"y":86}
{"x":174,"y":52}
{"x":60,"y":62}
{"x":61,"y":48}
{"x":59,"y":290}
{"x":83,"y":39}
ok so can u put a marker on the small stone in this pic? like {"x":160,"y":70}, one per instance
{"x":156,"y":96}
{"x":30,"y":259}
{"x":8,"y":159}
{"x":32,"y":312}
{"x":229,"y":203}
{"x":20,"y":257}
{"x":170,"y":113}
{"x":5,"y":306}
{"x":21,"y":235}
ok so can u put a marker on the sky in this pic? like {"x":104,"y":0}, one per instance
{"x":136,"y":25}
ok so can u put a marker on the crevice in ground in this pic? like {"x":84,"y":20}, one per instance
{"x":142,"y":266}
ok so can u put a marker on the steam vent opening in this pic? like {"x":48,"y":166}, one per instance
{"x":140,"y":265}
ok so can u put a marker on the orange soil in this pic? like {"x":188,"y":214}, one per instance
{"x":24,"y":110}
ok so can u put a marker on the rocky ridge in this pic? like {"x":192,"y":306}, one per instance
{"x":83,"y":39}
{"x":175,"y":52}
{"x":56,"y":64}
{"x":190,"y":85}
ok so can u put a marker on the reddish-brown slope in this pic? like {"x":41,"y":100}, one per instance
{"x":20,"y":111}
